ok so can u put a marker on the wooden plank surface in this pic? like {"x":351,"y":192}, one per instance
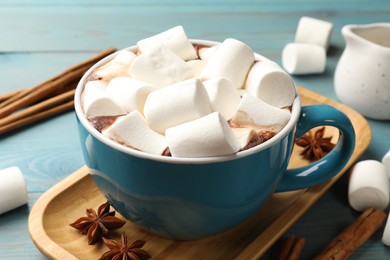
{"x":40,"y":38}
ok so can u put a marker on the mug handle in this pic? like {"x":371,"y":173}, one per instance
{"x":328,"y":166}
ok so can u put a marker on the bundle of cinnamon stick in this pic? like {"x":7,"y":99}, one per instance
{"x":51,"y":97}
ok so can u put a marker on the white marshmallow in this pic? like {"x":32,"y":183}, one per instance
{"x":267,"y":81}
{"x":206,"y":136}
{"x":242,"y":92}
{"x":303,"y":58}
{"x":368,"y":186}
{"x":160,"y":67}
{"x":96,"y":102}
{"x":175,"y":39}
{"x":231,"y":60}
{"x":223,"y":96}
{"x":206,"y":52}
{"x":253,"y":112}
{"x":386,"y":162}
{"x":386,"y":232}
{"x":118,"y":66}
{"x":243,"y":135}
{"x":197,"y":67}
{"x":314,"y":31}
{"x":129,"y":93}
{"x":13,"y":191}
{"x":133,"y":131}
{"x":176,"y":104}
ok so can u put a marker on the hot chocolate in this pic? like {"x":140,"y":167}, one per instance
{"x":172,"y":97}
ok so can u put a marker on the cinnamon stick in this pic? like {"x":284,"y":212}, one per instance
{"x":44,"y":105}
{"x":15,"y":97}
{"x":54,"y":85}
{"x":354,"y":235}
{"x":36,"y":117}
{"x":291,"y":248}
{"x":7,"y":96}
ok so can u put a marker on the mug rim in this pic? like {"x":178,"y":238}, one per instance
{"x":295,"y":113}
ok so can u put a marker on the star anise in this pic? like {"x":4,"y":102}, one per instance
{"x":123,"y":251}
{"x":97,"y":225}
{"x":316,"y":145}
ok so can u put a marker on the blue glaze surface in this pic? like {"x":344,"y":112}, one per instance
{"x":191,"y":201}
{"x":185,"y":201}
{"x":332,"y":163}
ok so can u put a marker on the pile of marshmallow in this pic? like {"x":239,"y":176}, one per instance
{"x":369,"y":188}
{"x":307,"y":55}
{"x":192,"y":99}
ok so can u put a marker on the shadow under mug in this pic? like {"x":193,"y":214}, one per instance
{"x":192,"y":198}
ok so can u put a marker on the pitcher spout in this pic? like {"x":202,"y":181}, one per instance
{"x":373,"y":35}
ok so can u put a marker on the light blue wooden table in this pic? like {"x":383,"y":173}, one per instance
{"x":40,"y":38}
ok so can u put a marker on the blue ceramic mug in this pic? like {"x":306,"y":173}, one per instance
{"x":191,"y":198}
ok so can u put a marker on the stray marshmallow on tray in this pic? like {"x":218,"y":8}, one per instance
{"x":368,"y":186}
{"x":207,"y":136}
{"x":97,"y":102}
{"x":160,"y":67}
{"x":253,"y":112}
{"x":176,"y":104}
{"x":133,"y":131}
{"x":175,"y":39}
{"x":231,"y":60}
{"x":267,"y":81}
{"x":223,"y":96}
{"x":129,"y":93}
{"x":119,"y":66}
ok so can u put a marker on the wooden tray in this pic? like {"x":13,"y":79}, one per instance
{"x":65,"y":202}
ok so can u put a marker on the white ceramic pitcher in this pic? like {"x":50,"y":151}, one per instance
{"x":362,"y":76}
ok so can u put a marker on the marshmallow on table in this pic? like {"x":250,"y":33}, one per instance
{"x":207,"y":136}
{"x":176,"y":104}
{"x":223,"y":96}
{"x":118,"y":66}
{"x":231,"y":60}
{"x":160,"y":67}
{"x":243,"y":135}
{"x":386,"y":232}
{"x":96,"y":101}
{"x":314,"y":31}
{"x":368,"y":186}
{"x":303,"y":58}
{"x":133,"y":131}
{"x":386,"y":162}
{"x":13,"y":192}
{"x":197,"y":66}
{"x":129,"y":93}
{"x":253,"y":112}
{"x":267,"y":81}
{"x":206,"y":52}
{"x":175,"y":39}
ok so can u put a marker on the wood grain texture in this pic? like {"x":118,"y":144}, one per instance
{"x":49,"y":220}
{"x":40,"y":38}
